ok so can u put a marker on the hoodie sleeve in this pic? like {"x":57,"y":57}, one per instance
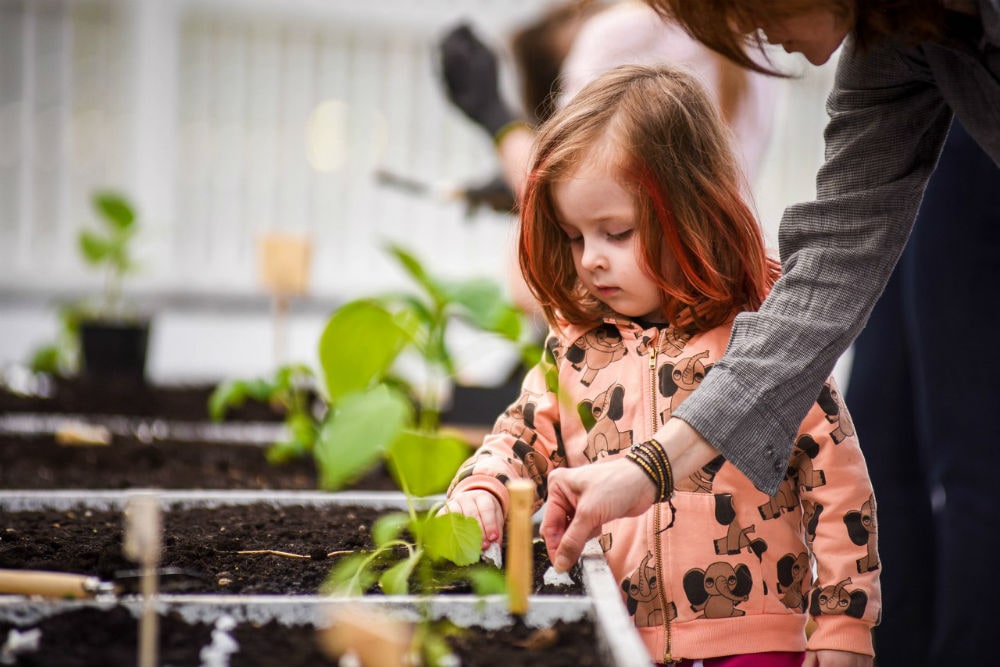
{"x":525,"y":442}
{"x":840,"y":523}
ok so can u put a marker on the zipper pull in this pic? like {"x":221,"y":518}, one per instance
{"x":652,"y":358}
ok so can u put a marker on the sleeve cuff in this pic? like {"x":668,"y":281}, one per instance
{"x":841,"y":633}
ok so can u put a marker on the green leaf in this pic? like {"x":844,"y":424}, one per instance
{"x":453,"y":537}
{"x":426,"y":462}
{"x":395,"y":580}
{"x":416,"y":271}
{"x":95,"y":249}
{"x":350,"y":576}
{"x":436,"y":650}
{"x":487,"y":580}
{"x":227,"y":394}
{"x":302,"y":429}
{"x":388,"y":527}
{"x":115,"y":210}
{"x":285,"y":451}
{"x":291,"y":377}
{"x":234,"y":393}
{"x":357,"y":347}
{"x":355,"y":435}
{"x":45,"y":360}
{"x":483,"y":302}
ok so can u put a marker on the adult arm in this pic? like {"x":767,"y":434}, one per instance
{"x":887,"y":124}
{"x":888,"y":121}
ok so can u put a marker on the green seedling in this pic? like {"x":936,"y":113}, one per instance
{"x":109,"y":248}
{"x":372,"y":414}
{"x":61,"y":357}
{"x":290,"y":392}
{"x":418,"y":553}
{"x":375,"y":415}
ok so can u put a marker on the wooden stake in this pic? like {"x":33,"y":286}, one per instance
{"x":279,"y":309}
{"x":283,"y":262}
{"x":143,"y":534}
{"x":520,"y":559}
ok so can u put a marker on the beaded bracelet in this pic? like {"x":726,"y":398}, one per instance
{"x":649,"y":456}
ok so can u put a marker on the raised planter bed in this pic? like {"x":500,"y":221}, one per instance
{"x":595,"y":610}
{"x":205,"y":533}
{"x":283,"y":631}
{"x":156,"y":452}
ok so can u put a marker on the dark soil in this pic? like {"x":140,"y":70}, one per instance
{"x":187,"y":402}
{"x":206,"y":542}
{"x":161,"y":439}
{"x":39,"y":462}
{"x":93,"y":638}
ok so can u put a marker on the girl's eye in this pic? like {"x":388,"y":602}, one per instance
{"x":575,"y":239}
{"x":621,"y":236}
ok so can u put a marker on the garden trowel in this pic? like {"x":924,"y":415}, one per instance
{"x":70,"y":585}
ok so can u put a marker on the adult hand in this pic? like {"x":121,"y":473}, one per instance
{"x":471,"y":77}
{"x":581,"y":500}
{"x":828,"y":658}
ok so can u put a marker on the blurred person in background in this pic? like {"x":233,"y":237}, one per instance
{"x":566,"y":47}
{"x":906,"y":69}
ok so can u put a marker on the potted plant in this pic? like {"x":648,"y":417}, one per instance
{"x":113,"y":337}
{"x":103,"y":338}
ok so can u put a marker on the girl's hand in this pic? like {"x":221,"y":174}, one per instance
{"x":482,"y":506}
{"x":827,"y":658}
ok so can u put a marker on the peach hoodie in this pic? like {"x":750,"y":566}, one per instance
{"x":730,"y":571}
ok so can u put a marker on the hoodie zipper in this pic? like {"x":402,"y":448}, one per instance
{"x":657,"y":517}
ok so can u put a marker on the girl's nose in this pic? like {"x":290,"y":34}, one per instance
{"x":592,"y":257}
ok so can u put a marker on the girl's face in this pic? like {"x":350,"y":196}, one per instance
{"x":815,"y":33}
{"x":598,"y":217}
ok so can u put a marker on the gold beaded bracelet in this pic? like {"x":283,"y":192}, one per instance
{"x":651,"y":457}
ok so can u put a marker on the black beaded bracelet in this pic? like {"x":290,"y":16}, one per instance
{"x":649,"y":456}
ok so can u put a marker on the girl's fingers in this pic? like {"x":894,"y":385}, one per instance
{"x":487,"y":508}
{"x":482,"y":506}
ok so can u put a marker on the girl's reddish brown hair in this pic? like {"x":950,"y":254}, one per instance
{"x":730,"y":26}
{"x":700,"y":241}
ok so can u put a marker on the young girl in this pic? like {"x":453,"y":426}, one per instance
{"x":635,"y":241}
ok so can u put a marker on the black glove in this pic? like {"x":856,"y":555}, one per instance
{"x":494,"y":194}
{"x":471,"y":77}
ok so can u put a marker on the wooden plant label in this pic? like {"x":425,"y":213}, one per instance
{"x":520,"y":558}
{"x":284,"y":260}
{"x":81,"y":433}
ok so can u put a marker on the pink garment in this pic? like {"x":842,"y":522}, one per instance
{"x":723,"y":569}
{"x":633,"y":33}
{"x":773,"y":659}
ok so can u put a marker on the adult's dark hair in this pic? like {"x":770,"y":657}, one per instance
{"x":730,"y":26}
{"x":539,"y":49}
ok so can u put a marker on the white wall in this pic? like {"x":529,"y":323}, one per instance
{"x":225,"y":119}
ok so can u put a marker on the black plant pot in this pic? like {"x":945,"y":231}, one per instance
{"x":114,"y":350}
